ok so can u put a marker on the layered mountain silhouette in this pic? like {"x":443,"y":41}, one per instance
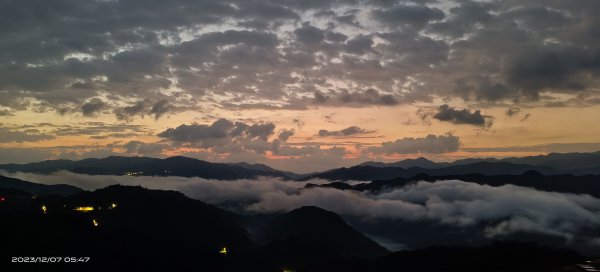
{"x":143,"y":166}
{"x":551,"y":164}
{"x":366,"y":173}
{"x":123,"y":228}
{"x":408,"y":163}
{"x":588,"y":184}
{"x":574,"y":163}
{"x":36,"y":188}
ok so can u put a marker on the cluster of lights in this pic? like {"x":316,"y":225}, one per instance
{"x":84,"y":209}
{"x":95,"y":222}
{"x":90,"y":208}
{"x":134,"y":173}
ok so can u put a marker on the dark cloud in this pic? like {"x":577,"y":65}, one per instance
{"x":430,"y":144}
{"x":160,"y":108}
{"x":141,"y":148}
{"x":349,"y":131}
{"x":309,"y":34}
{"x":540,"y":17}
{"x":560,"y":69}
{"x":285,"y":134}
{"x":195,"y":132}
{"x":359,"y":44}
{"x":464,"y":18}
{"x":510,"y":112}
{"x":95,"y":129}
{"x":299,"y":123}
{"x":5,"y":113}
{"x":93,"y":107}
{"x":145,"y":107}
{"x":411,"y":15}
{"x":10,"y":135}
{"x":114,"y":135}
{"x":464,"y":116}
{"x":360,"y":98}
{"x":128,"y":112}
{"x":224,"y":136}
{"x":277,"y":54}
{"x":348,"y":19}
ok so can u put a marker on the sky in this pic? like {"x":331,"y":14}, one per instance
{"x":298,"y":85}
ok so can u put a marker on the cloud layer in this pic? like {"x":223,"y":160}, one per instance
{"x":430,"y":144}
{"x":281,"y":54}
{"x":498,"y":211}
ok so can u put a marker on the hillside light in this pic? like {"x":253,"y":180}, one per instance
{"x":44,"y":209}
{"x":84,"y":209}
{"x":96,"y":224}
{"x":223,"y":251}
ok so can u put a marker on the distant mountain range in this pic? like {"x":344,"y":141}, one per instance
{"x":366,"y":173}
{"x":551,"y":164}
{"x":144,"y":166}
{"x":576,"y":162}
{"x":564,"y":183}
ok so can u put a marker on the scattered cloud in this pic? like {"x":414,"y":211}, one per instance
{"x":542,"y":148}
{"x":93,"y":107}
{"x":430,"y":144}
{"x":512,"y":111}
{"x":9,"y":135}
{"x":464,"y":116}
{"x":368,"y":97}
{"x":349,"y":131}
{"x":470,"y":50}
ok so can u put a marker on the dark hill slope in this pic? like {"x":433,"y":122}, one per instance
{"x":324,"y":229}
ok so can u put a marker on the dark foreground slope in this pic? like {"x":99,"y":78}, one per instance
{"x":324,"y":229}
{"x":143,"y":229}
{"x":501,"y":256}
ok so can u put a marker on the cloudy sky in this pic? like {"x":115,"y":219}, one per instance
{"x":299,"y":85}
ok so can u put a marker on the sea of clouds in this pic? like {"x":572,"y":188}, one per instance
{"x":512,"y":209}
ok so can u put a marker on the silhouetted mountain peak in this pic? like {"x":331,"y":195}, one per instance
{"x":532,"y":173}
{"x":145,"y":166}
{"x":318,"y":226}
{"x":36,"y":188}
